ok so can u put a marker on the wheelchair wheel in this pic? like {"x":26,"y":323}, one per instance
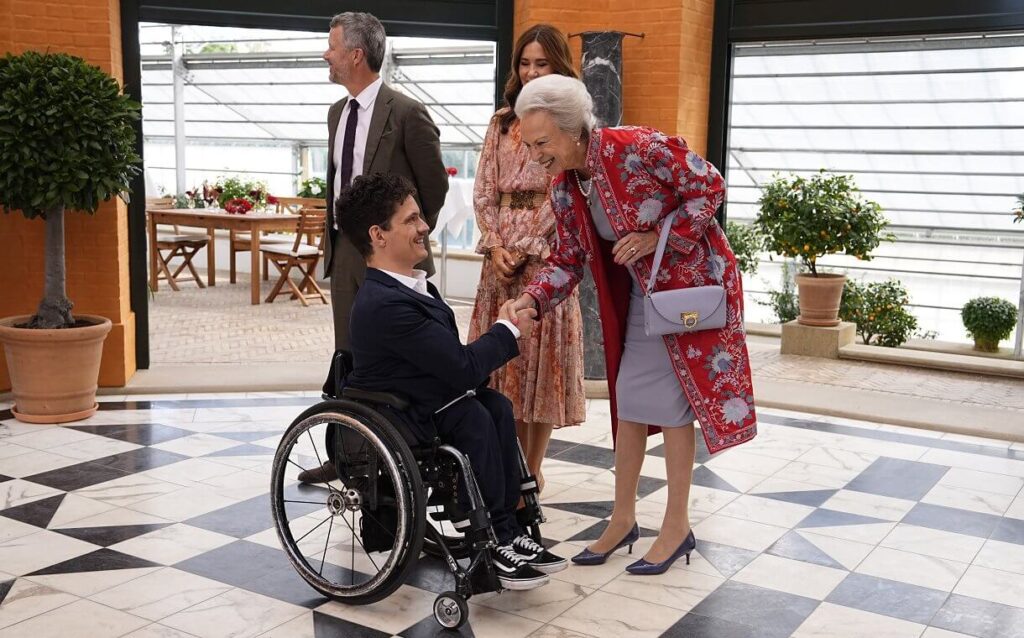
{"x":355,"y":538}
{"x":451,"y":610}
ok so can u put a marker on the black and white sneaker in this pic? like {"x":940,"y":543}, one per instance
{"x":513,"y":570}
{"x":536,"y":556}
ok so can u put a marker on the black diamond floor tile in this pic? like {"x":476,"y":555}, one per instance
{"x":597,"y":509}
{"x":975,"y":617}
{"x":594,"y":532}
{"x":245,"y":449}
{"x":327,"y":626}
{"x":796,"y":547}
{"x":589,"y":455}
{"x":706,"y":477}
{"x":141,"y":434}
{"x":774,"y":614}
{"x":140,"y":460}
{"x":833,"y":518}
{"x":100,"y":560}
{"x":38,"y":513}
{"x":5,"y":586}
{"x":897,"y":478}
{"x":428,"y":628}
{"x":726,"y":559}
{"x":238,"y":563}
{"x":695,"y":626}
{"x":287,"y":586}
{"x":75,"y":477}
{"x":812,"y":498}
{"x":888,"y":597}
{"x":110,"y":535}
{"x":948,"y":519}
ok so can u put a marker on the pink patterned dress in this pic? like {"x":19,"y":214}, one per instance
{"x":545,"y":383}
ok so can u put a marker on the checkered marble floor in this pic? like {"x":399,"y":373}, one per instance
{"x":151,"y":519}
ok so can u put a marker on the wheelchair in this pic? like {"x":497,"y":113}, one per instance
{"x":356,"y":539}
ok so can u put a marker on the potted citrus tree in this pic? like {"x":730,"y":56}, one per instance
{"x":66,"y":143}
{"x":989,"y":320}
{"x":810,"y":217}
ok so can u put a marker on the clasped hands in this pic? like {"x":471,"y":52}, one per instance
{"x":522,"y":316}
{"x":507,"y":263}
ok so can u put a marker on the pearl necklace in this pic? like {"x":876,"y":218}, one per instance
{"x":586,"y":192}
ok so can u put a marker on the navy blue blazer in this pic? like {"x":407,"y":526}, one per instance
{"x":408,"y":344}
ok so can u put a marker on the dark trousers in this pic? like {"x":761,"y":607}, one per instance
{"x":484,"y":429}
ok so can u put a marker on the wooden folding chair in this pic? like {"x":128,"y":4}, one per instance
{"x":184,"y":246}
{"x":300,"y":255}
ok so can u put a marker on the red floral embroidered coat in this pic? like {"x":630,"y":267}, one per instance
{"x":641,"y":175}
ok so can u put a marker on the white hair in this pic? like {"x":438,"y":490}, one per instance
{"x":565,"y":99}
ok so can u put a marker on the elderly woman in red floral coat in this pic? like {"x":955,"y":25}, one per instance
{"x":611,"y":192}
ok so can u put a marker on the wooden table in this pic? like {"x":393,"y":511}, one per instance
{"x":252,"y":223}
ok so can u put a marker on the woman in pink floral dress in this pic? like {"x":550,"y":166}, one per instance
{"x":516,"y":223}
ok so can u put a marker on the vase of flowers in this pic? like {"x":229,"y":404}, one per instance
{"x":238,"y":196}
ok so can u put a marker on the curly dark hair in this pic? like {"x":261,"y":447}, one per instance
{"x":370,"y":201}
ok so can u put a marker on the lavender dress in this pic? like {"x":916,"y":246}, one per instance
{"x":647,"y":389}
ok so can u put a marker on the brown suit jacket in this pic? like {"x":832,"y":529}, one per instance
{"x":402,"y":140}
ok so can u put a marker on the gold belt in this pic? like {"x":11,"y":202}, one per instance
{"x":522,"y":199}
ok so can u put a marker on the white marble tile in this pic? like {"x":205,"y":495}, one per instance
{"x":749,"y":462}
{"x":301,"y":627}
{"x":1008,"y":557}
{"x":836,"y":621}
{"x":766,"y":510}
{"x":779,"y":446}
{"x":401,"y":610}
{"x":96,"y":620}
{"x":851,"y":461}
{"x":111,"y":398}
{"x":34,"y":462}
{"x":551,"y":631}
{"x":542,"y":604}
{"x":821,"y":476}
{"x":27,"y":599}
{"x":21,"y":492}
{"x":1010,"y":467}
{"x":117,"y":516}
{"x":173,"y":544}
{"x":487,"y":621}
{"x":11,"y":529}
{"x":702,"y":499}
{"x":241,"y":485}
{"x":871,"y":533}
{"x":96,"y":447}
{"x":977,"y":440}
{"x":581,"y":494}
{"x":197,"y":445}
{"x":613,"y":616}
{"x":127,"y":490}
{"x":593,"y":576}
{"x":161,"y":593}
{"x":935,"y":632}
{"x":562,"y":525}
{"x":983,"y":481}
{"x":1016,"y":509}
{"x":75,"y":507}
{"x":738,"y":532}
{"x":7,"y":450}
{"x":997,"y":586}
{"x":791,"y":576}
{"x":569,"y":473}
{"x":743,"y":481}
{"x":23,"y":555}
{"x":884,"y":448}
{"x":190,"y":472}
{"x":916,"y":569}
{"x":86,"y":584}
{"x":873,"y":505}
{"x":156,"y":630}
{"x":967,"y":499}
{"x":51,"y":438}
{"x":679,"y":589}
{"x":171,"y":416}
{"x":933,"y":542}
{"x":776,"y":483}
{"x":185,"y":503}
{"x":847,"y":553}
{"x":233,"y":614}
{"x":280,"y":414}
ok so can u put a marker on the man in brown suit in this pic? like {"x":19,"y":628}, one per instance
{"x":374,"y":130}
{"x":392,"y":133}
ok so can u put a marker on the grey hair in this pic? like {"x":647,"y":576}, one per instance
{"x":363,"y":31}
{"x":564,"y":98}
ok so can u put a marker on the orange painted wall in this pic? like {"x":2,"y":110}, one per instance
{"x":96,"y":245}
{"x":666,"y":75}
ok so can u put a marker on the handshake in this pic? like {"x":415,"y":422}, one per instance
{"x":520,"y":312}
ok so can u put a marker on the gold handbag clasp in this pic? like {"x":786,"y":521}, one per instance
{"x":689,"y":319}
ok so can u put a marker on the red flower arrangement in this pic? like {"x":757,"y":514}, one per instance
{"x":238,"y":206}
{"x":452,"y":171}
{"x":271,"y":199}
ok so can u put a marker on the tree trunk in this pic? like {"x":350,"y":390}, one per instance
{"x":55,"y":309}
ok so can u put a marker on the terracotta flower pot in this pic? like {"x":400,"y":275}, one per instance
{"x":54,"y":372}
{"x":819,"y":299}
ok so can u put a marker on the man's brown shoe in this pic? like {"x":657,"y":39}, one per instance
{"x":323,"y":474}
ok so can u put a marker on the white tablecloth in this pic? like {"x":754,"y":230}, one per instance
{"x":458,"y":206}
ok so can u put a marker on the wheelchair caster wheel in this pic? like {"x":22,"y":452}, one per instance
{"x":451,"y":610}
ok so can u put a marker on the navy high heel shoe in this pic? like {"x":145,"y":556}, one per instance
{"x":587,"y":557}
{"x":643,"y":568}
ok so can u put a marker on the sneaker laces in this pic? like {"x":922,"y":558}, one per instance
{"x":510,"y":554}
{"x":526,"y":542}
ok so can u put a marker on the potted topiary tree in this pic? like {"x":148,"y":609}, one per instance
{"x":988,"y":320}
{"x":66,"y":143}
{"x":808,"y":218}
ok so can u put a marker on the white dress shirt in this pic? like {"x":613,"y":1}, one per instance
{"x":366,"y":99}
{"x":418,"y":282}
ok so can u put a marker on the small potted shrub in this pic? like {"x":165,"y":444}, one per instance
{"x":810,"y":217}
{"x":746,"y":243}
{"x":988,"y":320}
{"x":67,"y":142}
{"x":880,"y":311}
{"x":313,"y":187}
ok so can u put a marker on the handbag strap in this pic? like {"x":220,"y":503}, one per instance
{"x":666,"y":228}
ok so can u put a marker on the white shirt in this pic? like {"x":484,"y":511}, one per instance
{"x":366,"y":100}
{"x":418,"y":282}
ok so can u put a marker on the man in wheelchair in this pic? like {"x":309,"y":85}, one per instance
{"x":405,"y":342}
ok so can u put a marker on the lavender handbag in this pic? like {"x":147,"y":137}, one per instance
{"x":683,"y":310}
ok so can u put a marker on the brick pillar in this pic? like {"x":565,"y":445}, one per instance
{"x":96,"y":245}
